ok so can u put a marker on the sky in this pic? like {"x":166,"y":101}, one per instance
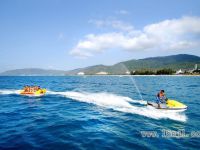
{"x":69,"y":34}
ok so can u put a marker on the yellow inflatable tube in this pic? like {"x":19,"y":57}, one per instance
{"x":39,"y":92}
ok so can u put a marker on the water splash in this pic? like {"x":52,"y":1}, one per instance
{"x":115,"y":102}
{"x":6,"y":92}
{"x":133,"y":80}
{"x":123,"y":104}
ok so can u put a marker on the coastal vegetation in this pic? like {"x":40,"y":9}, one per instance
{"x":165,"y":71}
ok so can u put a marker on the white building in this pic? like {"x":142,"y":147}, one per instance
{"x":81,"y":73}
{"x":195,"y":67}
{"x":102,"y":73}
{"x":179,"y":72}
{"x":128,"y":72}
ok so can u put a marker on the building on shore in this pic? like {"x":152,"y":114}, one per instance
{"x":128,"y":72}
{"x":179,"y":72}
{"x":81,"y":73}
{"x":102,"y":73}
{"x":195,"y":67}
{"x":189,"y":71}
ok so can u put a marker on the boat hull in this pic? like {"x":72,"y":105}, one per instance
{"x":170,"y":105}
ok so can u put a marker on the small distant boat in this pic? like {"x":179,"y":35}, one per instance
{"x":170,"y":105}
{"x":39,"y":92}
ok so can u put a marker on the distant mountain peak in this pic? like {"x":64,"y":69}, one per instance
{"x":32,"y":71}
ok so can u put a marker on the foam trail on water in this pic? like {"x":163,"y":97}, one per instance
{"x":121,"y":103}
{"x":116,"y":102}
{"x":7,"y":92}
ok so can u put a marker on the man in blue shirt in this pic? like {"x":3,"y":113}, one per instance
{"x":161,"y":98}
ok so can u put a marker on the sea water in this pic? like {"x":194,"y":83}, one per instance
{"x":99,"y":112}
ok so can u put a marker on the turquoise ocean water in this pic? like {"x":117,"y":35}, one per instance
{"x":98,"y":112}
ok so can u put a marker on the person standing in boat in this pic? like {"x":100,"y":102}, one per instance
{"x":161,"y":98}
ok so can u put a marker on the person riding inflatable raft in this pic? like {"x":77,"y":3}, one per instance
{"x":33,"y":91}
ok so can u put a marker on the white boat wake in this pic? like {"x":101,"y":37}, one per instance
{"x":115,"y":102}
{"x":6,"y":92}
{"x":123,"y":104}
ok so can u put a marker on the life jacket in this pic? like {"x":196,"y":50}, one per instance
{"x":162,"y":99}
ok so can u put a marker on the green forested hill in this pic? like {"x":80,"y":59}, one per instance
{"x":175,"y":62}
{"x":181,"y":61}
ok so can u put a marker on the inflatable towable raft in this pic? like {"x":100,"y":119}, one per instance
{"x":170,"y":105}
{"x":39,"y":92}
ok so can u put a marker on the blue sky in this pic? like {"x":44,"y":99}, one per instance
{"x":69,"y":34}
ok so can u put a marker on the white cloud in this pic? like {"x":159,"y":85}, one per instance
{"x":99,"y":43}
{"x":181,"y":45}
{"x":175,"y":26}
{"x":174,"y":34}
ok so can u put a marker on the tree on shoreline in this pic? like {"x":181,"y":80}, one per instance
{"x":164,"y":71}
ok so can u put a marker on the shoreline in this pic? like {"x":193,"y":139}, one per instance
{"x":95,"y":75}
{"x":134,"y":75}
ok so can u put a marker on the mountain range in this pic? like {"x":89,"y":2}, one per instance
{"x":33,"y":72}
{"x":175,"y":62}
